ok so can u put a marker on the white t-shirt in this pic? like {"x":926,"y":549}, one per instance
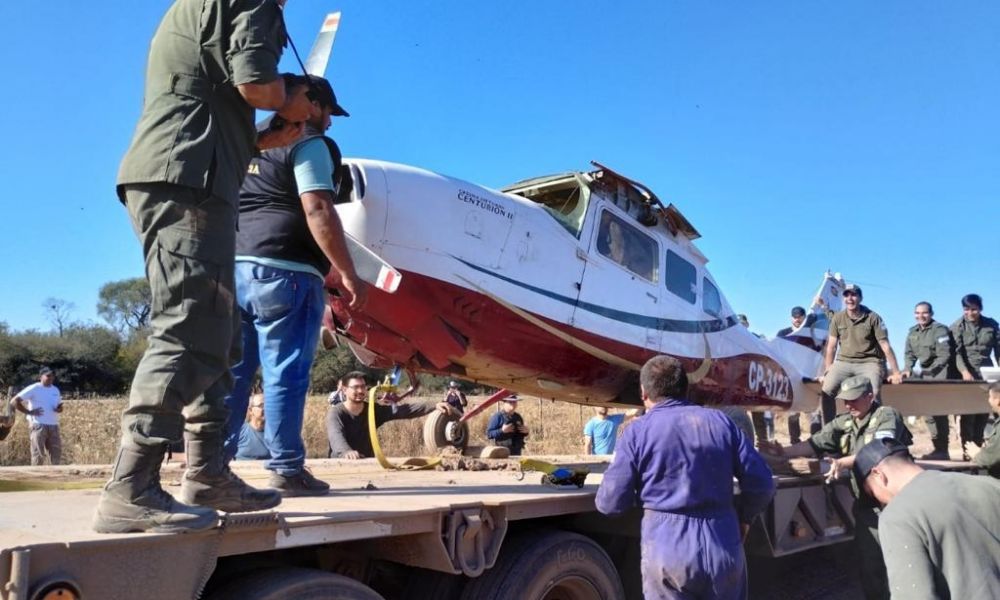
{"x":37,"y":395}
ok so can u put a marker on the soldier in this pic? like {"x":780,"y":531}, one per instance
{"x":863,"y":345}
{"x":930,"y":354}
{"x":864,"y":421}
{"x":976,"y":338}
{"x":798,"y":321}
{"x":989,"y":456}
{"x":211,"y":62}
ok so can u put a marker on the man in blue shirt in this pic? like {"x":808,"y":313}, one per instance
{"x":600,"y":433}
{"x":678,"y":463}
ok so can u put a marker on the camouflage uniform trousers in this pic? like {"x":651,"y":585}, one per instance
{"x":188,"y":238}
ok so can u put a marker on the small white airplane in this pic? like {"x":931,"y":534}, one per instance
{"x":562,"y":287}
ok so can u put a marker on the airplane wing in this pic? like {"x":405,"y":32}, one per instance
{"x":922,"y":397}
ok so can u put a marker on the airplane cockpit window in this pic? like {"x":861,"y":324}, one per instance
{"x":682,"y":277}
{"x":627,"y":246}
{"x":564,"y":197}
{"x":711,"y":300}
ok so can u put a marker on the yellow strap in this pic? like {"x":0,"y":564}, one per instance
{"x":410,"y":464}
{"x":530,"y":464}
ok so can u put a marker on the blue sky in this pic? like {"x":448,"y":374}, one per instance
{"x":796,"y":136}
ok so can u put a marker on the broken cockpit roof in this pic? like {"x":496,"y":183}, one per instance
{"x":566,"y":196}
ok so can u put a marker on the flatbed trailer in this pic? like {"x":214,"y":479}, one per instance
{"x":449,"y":535}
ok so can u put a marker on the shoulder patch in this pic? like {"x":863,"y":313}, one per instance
{"x":942,"y":339}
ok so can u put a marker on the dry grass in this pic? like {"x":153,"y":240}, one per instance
{"x":91,"y":429}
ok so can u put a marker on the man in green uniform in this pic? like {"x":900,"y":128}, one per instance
{"x":939,"y":531}
{"x":989,"y":456}
{"x":863,"y":345}
{"x":930,"y":354}
{"x":976,"y":338}
{"x":839,"y":440}
{"x":210,"y":64}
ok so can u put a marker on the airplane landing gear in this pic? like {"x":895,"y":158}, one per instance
{"x":444,"y":430}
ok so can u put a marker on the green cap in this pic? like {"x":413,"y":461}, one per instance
{"x":854,"y":387}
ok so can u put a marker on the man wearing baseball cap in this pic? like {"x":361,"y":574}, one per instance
{"x":939,"y":531}
{"x":289,"y":238}
{"x":858,"y":342}
{"x":506,"y":427}
{"x":865,"y":420}
{"x":42,"y":403}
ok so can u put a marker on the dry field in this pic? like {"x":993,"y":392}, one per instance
{"x":90,"y":431}
{"x":91,"y":428}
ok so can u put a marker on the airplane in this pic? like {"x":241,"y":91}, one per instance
{"x":558,"y":287}
{"x":561,"y":287}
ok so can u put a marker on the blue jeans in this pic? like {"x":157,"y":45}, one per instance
{"x":281,"y":313}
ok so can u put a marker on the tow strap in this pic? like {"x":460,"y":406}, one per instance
{"x":410,"y":464}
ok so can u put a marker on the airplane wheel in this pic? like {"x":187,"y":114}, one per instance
{"x":441,"y":431}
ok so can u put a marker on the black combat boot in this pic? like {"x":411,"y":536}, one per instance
{"x":134,"y":501}
{"x":209,"y":481}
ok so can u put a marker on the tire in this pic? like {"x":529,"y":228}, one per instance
{"x":441,"y":431}
{"x":548,"y":565}
{"x":286,"y":583}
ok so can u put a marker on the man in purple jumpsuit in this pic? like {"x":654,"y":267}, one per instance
{"x":678,"y":462}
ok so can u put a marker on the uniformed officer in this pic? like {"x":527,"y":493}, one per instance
{"x":976,"y":338}
{"x":989,"y":456}
{"x":211,"y":62}
{"x":863,"y":344}
{"x":930,"y":354}
{"x":865,"y":420}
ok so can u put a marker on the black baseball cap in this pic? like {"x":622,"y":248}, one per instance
{"x":855,"y":288}
{"x":798,"y":311}
{"x":44,"y":371}
{"x":874,"y":452}
{"x":326,"y":95}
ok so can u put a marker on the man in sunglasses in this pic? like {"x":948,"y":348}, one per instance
{"x":857,"y":346}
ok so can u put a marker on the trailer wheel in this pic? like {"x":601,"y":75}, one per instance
{"x":443,"y":430}
{"x":294,"y":582}
{"x":548,"y":565}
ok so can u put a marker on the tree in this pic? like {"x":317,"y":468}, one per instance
{"x":125,"y":304}
{"x":58,"y":311}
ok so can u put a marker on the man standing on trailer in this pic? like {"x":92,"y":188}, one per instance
{"x":210,"y":64}
{"x":863,"y":344}
{"x":678,"y":463}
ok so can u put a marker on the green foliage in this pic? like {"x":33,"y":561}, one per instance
{"x":125,"y":304}
{"x":84,"y":358}
{"x":331,"y":365}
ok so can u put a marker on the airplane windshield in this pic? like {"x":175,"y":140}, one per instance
{"x":565,"y":198}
